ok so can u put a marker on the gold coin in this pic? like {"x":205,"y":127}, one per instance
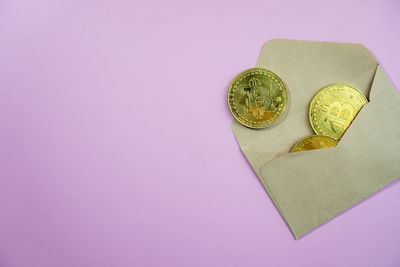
{"x":257,"y":98}
{"x":314,"y":142}
{"x":333,"y":108}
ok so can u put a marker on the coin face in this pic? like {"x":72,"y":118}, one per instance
{"x":333,"y":108}
{"x":314,"y":142}
{"x":257,"y":98}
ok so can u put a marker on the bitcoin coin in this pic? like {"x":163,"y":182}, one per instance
{"x":314,"y":142}
{"x":333,"y":108}
{"x":257,"y":98}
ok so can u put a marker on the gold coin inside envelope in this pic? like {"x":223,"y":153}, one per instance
{"x":311,"y":187}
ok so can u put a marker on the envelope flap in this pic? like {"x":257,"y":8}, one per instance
{"x":381,"y":85}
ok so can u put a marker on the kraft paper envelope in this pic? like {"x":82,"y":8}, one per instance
{"x":311,"y":187}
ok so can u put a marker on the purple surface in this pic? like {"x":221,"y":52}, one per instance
{"x":116,"y":147}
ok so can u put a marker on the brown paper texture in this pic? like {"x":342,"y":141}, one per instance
{"x":309,"y":188}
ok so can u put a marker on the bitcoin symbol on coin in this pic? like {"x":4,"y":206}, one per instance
{"x":257,"y":98}
{"x":333,"y":109}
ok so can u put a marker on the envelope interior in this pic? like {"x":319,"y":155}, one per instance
{"x":305,"y":68}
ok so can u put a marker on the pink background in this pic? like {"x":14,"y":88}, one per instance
{"x":115,"y":139}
